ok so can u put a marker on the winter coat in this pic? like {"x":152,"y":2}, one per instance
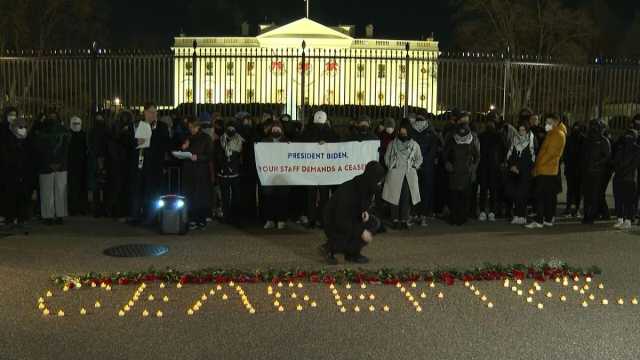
{"x":356,"y":135}
{"x":399,"y":168}
{"x":16,"y":157}
{"x":518,"y":185}
{"x":597,"y":152}
{"x":573,"y":156}
{"x":548,"y":158}
{"x":196,"y":180}
{"x":342,"y":215}
{"x":385,"y":140}
{"x":626,"y":161}
{"x":430,"y":144}
{"x":494,"y":150}
{"x":227,"y":165}
{"x":315,"y":133}
{"x":462,"y":161}
{"x":52,"y":148}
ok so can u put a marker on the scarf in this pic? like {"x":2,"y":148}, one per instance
{"x":466,"y":140}
{"x":231,"y":145}
{"x":520,"y":143}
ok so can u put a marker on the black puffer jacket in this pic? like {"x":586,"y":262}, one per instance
{"x":597,"y":151}
{"x":52,"y":148}
{"x":430,"y":145}
{"x":627,"y":157}
{"x":315,"y":133}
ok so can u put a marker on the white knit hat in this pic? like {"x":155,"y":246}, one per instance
{"x":320,"y":117}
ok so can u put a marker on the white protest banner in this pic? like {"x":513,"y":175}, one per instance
{"x":312,"y":164}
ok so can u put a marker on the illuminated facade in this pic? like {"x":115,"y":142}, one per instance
{"x":337,"y":68}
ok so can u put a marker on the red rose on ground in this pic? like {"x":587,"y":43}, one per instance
{"x":467,"y":277}
{"x":518,"y":274}
{"x":184,"y":279}
{"x":71,"y":285}
{"x":123,"y":281}
{"x":315,"y":278}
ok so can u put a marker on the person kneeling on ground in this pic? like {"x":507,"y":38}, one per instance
{"x":348,"y":224}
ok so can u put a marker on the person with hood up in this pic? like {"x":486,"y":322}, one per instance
{"x":573,"y":167}
{"x":626,"y":162}
{"x":78,"y":156}
{"x":228,"y":152}
{"x":423,"y":133}
{"x":196,"y":179}
{"x":546,"y":170}
{"x":119,"y":147}
{"x":401,"y":187}
{"x":494,"y":147}
{"x":362,"y":130}
{"x":348,"y":225}
{"x":597,"y":152}
{"x":52,"y":156}
{"x":17,"y":158}
{"x":248,"y":171}
{"x":317,"y":196}
{"x":520,"y":160}
{"x":275,"y":197}
{"x":461,"y":157}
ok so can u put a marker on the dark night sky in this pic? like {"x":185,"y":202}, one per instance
{"x":153,"y":23}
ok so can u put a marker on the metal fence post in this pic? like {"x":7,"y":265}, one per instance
{"x":94,"y":79}
{"x":303,"y":83}
{"x":507,"y":68}
{"x":194,"y":58}
{"x":406,"y":81}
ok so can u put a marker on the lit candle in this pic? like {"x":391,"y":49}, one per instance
{"x":211,"y":292}
{"x":402,"y":289}
{"x":190,"y":312}
{"x":108,"y":288}
{"x":601,"y":286}
{"x":225,"y":297}
{"x":490,"y":305}
{"x":151,"y":298}
{"x":531,"y":292}
{"x":415,"y":303}
{"x":339,"y":303}
{"x":529,"y":299}
{"x":418,"y":309}
{"x":514,"y":288}
{"x":45,"y":312}
{"x":60,"y":313}
{"x":349,"y":297}
{"x":483,"y":298}
{"x":423,"y":295}
{"x":582,"y":291}
{"x":159,"y":313}
{"x":281,"y":285}
{"x":592,"y":297}
{"x":162,"y":286}
{"x":356,"y":308}
{"x":549,"y":295}
{"x":472,"y":288}
{"x":477,"y":292}
{"x":83,"y":311}
{"x":466,"y":284}
{"x":348,"y":286}
{"x":585,"y":304}
{"x":219,"y":287}
{"x":293,"y":296}
{"x":93,"y":284}
{"x":121,"y":313}
{"x":586,"y":287}
{"x":621,"y":301}
{"x":506,"y":283}
{"x":386,"y":308}
{"x":131,"y":303}
{"x":576,"y":279}
{"x":432,"y":285}
{"x":575,"y":287}
{"x":290,"y":284}
{"x":41,"y":306}
{"x":605,"y":302}
{"x":40,"y":300}
{"x":145,"y":313}
{"x":299,"y":307}
{"x":103,"y":285}
{"x":231,"y":284}
{"x":179,"y":286}
{"x":299,"y":285}
{"x":540,"y":306}
{"x":440,"y":295}
{"x":252,"y":311}
{"x":313,"y":304}
{"x":343,"y":310}
{"x":136,"y":298}
{"x":558,"y":280}
{"x":97,"y":304}
{"x":362,"y":297}
{"x":278,"y":295}
{"x":519,"y":282}
{"x":65,"y":288}
{"x":411,"y":298}
{"x":203,"y":297}
{"x":412,"y":285}
{"x":634,"y":301}
{"x":372,"y":297}
{"x":276,"y":303}
{"x":49,"y":294}
{"x":198,"y":303}
{"x":127,"y":308}
{"x":165,"y":299}
{"x":563,"y":298}
{"x":372,"y":308}
{"x":519,"y":292}
{"x":337,"y":297}
{"x":334,"y":292}
{"x":364,"y":286}
{"x":398,"y":285}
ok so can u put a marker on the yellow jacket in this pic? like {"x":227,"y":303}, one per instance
{"x":548,"y":159}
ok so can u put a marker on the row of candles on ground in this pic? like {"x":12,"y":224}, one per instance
{"x":270,"y":290}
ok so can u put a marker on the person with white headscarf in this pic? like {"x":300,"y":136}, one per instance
{"x":16,"y":157}
{"x":228,"y":153}
{"x":520,"y":160}
{"x":78,"y":193}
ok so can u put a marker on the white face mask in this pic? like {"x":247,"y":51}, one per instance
{"x":76,"y":127}
{"x":548,"y":127}
{"x":22,"y":133}
{"x":11,"y":119}
{"x":389,"y":130}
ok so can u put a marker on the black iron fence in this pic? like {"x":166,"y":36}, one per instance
{"x":346,"y":83}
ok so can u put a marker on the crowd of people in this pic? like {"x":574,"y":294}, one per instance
{"x":457,"y":167}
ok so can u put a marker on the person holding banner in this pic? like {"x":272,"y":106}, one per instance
{"x":317,"y":196}
{"x":348,"y":225}
{"x":401,"y":188}
{"x":228,"y":153}
{"x":275,"y":197}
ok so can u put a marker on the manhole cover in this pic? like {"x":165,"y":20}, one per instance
{"x":136,"y":250}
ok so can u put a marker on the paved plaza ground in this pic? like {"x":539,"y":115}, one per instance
{"x":458,"y":326}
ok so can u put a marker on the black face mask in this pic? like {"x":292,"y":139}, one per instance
{"x":219,"y":131}
{"x":230,"y":133}
{"x":404,"y":138}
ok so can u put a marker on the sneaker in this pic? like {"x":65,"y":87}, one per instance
{"x":209,"y":220}
{"x":304,"y":220}
{"x":327,"y":255}
{"x":626,"y":225}
{"x":516,"y":221}
{"x":358,"y":259}
{"x":193,"y":226}
{"x":202,"y":225}
{"x":282,"y":225}
{"x":619,"y":223}
{"x":482,"y":217}
{"x":534,"y":225}
{"x":423,"y":222}
{"x":492,"y":217}
{"x":547,"y":224}
{"x":269,"y":225}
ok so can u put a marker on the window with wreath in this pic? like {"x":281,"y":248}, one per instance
{"x":209,"y":95}
{"x":382,"y":71}
{"x":188,"y":94}
{"x":360,"y":70}
{"x":402,"y":71}
{"x":230,"y":68}
{"x":251,"y":67}
{"x":188,"y":68}
{"x":360,"y":96}
{"x":277,"y":67}
{"x":208,"y":67}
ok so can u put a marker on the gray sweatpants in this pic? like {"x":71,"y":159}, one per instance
{"x":53,"y":195}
